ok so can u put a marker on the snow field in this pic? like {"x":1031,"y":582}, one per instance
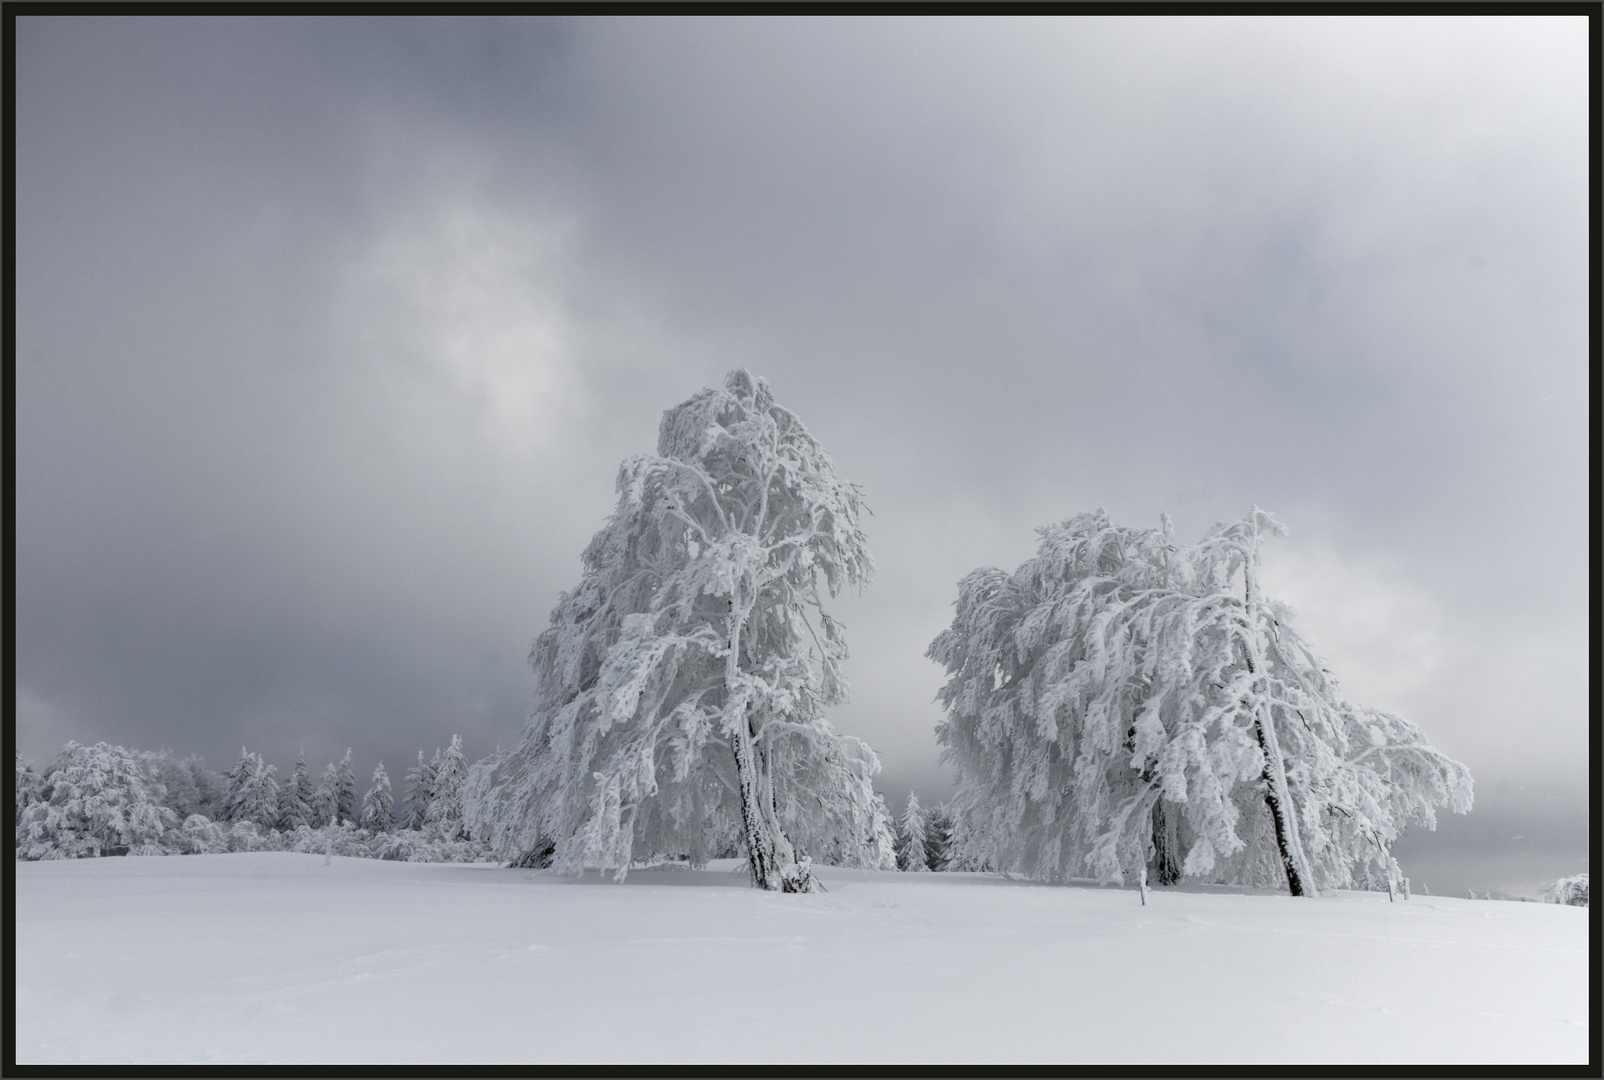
{"x":274,"y":957}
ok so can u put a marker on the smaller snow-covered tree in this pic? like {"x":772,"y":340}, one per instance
{"x":96,"y":800}
{"x":252,"y":791}
{"x":911,"y":854}
{"x":420,"y":789}
{"x":295,"y":798}
{"x":376,"y":803}
{"x":1122,"y":697}
{"x":445,"y":807}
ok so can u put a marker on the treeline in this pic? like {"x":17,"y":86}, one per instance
{"x":109,"y":800}
{"x":104,"y":800}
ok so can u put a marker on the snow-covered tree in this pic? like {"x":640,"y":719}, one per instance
{"x":192,"y":788}
{"x":345,"y":790}
{"x":252,"y":792}
{"x":1122,"y":698}
{"x":29,"y":784}
{"x":420,"y":789}
{"x":1568,"y":890}
{"x":295,"y":797}
{"x":681,"y":686}
{"x":376,"y":814}
{"x":95,"y":800}
{"x":938,"y":837}
{"x":211,"y":787}
{"x":326,"y":799}
{"x":911,"y":854}
{"x":450,"y":772}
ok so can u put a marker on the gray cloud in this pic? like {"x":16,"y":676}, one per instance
{"x":332,"y":334}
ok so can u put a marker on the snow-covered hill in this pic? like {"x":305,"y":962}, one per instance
{"x":279,"y":958}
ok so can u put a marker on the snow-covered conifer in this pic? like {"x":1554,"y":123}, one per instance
{"x":1121,"y":695}
{"x":95,"y":800}
{"x":326,"y":799}
{"x":376,"y":803}
{"x":683,"y":682}
{"x":911,"y":854}
{"x":345,"y":791}
{"x":420,"y":789}
{"x":445,"y":805}
{"x":938,"y":837}
{"x":252,"y":792}
{"x":295,"y":797}
{"x":882,"y":846}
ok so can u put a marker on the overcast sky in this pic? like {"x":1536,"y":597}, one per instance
{"x":332,"y":333}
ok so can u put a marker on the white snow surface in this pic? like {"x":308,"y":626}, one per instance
{"x":275,"y":957}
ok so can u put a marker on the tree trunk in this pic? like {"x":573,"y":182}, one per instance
{"x":1276,"y":795}
{"x":1166,"y":848}
{"x":769,"y":854}
{"x":1286,"y":840}
{"x":760,"y":853}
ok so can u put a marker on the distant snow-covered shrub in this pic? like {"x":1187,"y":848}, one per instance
{"x":1568,"y":890}
{"x":199,"y":835}
{"x":411,"y":845}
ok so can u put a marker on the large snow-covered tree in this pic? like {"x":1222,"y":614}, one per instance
{"x":376,"y":815}
{"x":681,"y":686}
{"x":252,"y":791}
{"x":1122,"y":699}
{"x":95,"y":800}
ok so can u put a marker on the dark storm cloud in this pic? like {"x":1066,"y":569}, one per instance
{"x":332,"y":334}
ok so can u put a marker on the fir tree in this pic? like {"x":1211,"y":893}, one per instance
{"x":345,"y":791}
{"x":252,"y":792}
{"x":938,"y":838}
{"x":296,"y":798}
{"x":445,"y":805}
{"x":376,"y":815}
{"x":911,"y":855}
{"x":326,"y":799}
{"x":420,"y":789}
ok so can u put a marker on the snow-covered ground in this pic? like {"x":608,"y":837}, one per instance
{"x":278,"y":958}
